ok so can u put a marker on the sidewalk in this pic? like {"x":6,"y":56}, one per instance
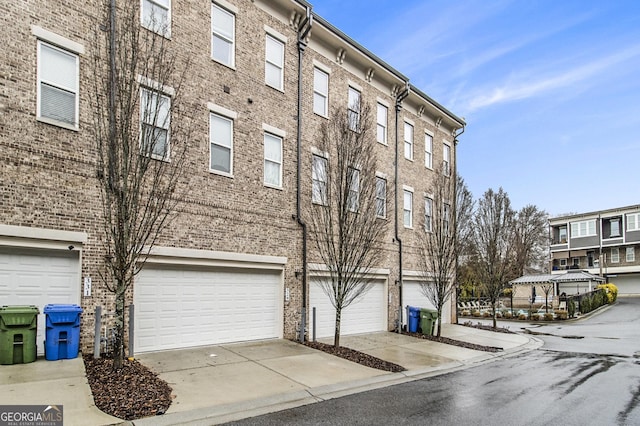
{"x":217,"y":384}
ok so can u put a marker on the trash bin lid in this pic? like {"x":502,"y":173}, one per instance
{"x":19,"y":309}
{"x":51,"y":308}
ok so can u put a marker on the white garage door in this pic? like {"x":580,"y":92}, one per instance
{"x":412,"y":295}
{"x":188,"y":306}
{"x":368,"y":314}
{"x":39,"y":277}
{"x":627,"y":284}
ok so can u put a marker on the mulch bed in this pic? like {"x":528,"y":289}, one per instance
{"x":454,"y":342}
{"x":131,"y":393}
{"x":481,"y":326}
{"x":356,"y":356}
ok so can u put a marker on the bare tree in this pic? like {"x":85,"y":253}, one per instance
{"x":493,"y":238}
{"x":546,"y":289}
{"x":141,"y":139}
{"x":448,"y":214}
{"x":531,"y":239}
{"x":348,"y":201}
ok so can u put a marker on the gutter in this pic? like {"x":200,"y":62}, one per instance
{"x":401,"y":96}
{"x":303,"y":32}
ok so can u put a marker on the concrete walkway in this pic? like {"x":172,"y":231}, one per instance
{"x":216,"y":384}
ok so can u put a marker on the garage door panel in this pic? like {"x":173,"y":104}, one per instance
{"x":205,"y":306}
{"x":412,"y":295}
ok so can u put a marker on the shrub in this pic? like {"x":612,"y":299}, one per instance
{"x":498,"y":314}
{"x":508,"y":315}
{"x":585,"y":304}
{"x":476,"y":313}
{"x":486,"y":314}
{"x":562,"y":315}
{"x":571,"y":308}
{"x":535,"y":317}
{"x":522,"y":317}
{"x":611,"y":290}
{"x":548,"y":316}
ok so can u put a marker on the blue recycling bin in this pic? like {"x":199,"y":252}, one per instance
{"x":62,"y":338}
{"x":413,"y":319}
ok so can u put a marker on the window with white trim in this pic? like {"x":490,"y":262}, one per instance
{"x":631,"y":254}
{"x":58,"y":83}
{"x":223,"y":35}
{"x":353,"y":111}
{"x":381,"y":197}
{"x":586,"y":228}
{"x":274,"y":63}
{"x":320,"y":92}
{"x":319,"y":180}
{"x":446,"y":160}
{"x":353,"y":201}
{"x":221,"y":144}
{"x":614,"y":226}
{"x":272,"y":160}
{"x":428,"y":214}
{"x":446,"y":218}
{"x":428,"y":151}
{"x":633,"y":222}
{"x":615,"y":255}
{"x":381,"y":123}
{"x":408,"y":141}
{"x":155,"y":119}
{"x":155,"y":15}
{"x":408,"y":208}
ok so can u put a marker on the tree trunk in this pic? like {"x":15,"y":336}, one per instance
{"x":439,"y":322}
{"x":119,"y":323}
{"x":495,"y":322}
{"x":336,"y":335}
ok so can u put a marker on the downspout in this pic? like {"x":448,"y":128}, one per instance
{"x":401,"y":96}
{"x":303,"y":33}
{"x":454,"y":308}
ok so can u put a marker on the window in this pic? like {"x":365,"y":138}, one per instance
{"x":428,"y":151}
{"x":353,"y":112}
{"x":274,"y":63}
{"x":408,"y":209}
{"x":155,"y":119}
{"x":319,"y":180}
{"x":446,"y":160}
{"x":272,"y":160}
{"x":320,"y":92}
{"x":223,"y":29}
{"x":353,"y":201}
{"x":381,"y":127}
{"x":614,"y":227}
{"x":446,"y":212}
{"x":155,"y":15}
{"x":576,"y":262}
{"x":615,"y":255}
{"x":633,"y":222}
{"x":428,"y":214}
{"x":381,"y":197}
{"x":562,"y":234}
{"x":631,"y":254}
{"x":408,"y":141}
{"x":221,"y":141}
{"x":57,"y":86}
{"x":585,"y":228}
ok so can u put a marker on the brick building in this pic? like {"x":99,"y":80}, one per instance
{"x":229,"y":267}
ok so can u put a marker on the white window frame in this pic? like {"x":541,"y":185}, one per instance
{"x":279,"y":139}
{"x":560,"y":240}
{"x":446,"y":159}
{"x":353,"y":200}
{"x":269,"y":62}
{"x":615,"y":255}
{"x":216,"y":115}
{"x":428,"y":214}
{"x":163,"y":29}
{"x":617,"y":222}
{"x":634,"y":224}
{"x":408,"y":140}
{"x":630,"y":255}
{"x":407,"y":208}
{"x":73,"y":90}
{"x":353,"y":108}
{"x":381,"y":197}
{"x":428,"y":150}
{"x":319,"y":183}
{"x":382,"y":117}
{"x":229,"y":39}
{"x":319,"y":94}
{"x":585,"y":228}
{"x":147,"y":93}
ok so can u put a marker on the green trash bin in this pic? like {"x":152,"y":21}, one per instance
{"x":18,"y":330}
{"x":428,"y":320}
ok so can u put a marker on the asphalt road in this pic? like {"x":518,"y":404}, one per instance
{"x":587,"y":373}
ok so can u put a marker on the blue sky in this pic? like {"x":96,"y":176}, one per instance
{"x":550,"y":89}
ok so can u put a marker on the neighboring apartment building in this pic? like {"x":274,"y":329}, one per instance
{"x":604,"y":243}
{"x":229,"y":267}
